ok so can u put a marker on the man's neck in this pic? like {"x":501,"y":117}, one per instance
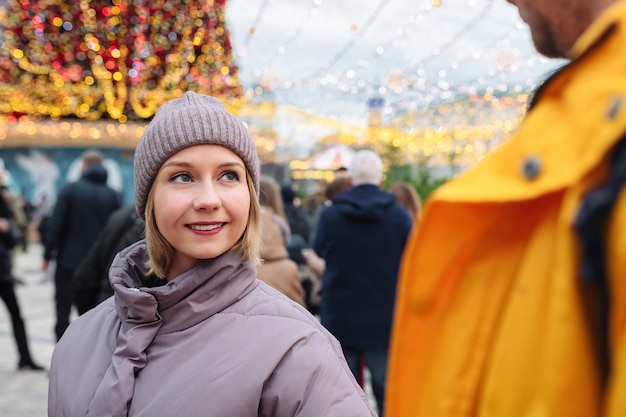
{"x":599,"y":6}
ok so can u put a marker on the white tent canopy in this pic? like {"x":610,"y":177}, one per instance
{"x":333,"y":157}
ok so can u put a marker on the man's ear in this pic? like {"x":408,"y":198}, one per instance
{"x":349,"y":182}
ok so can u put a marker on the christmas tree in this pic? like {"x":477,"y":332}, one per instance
{"x":117,"y":59}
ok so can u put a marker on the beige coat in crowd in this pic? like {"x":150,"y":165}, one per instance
{"x":277,"y":270}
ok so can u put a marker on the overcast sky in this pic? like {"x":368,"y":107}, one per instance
{"x":330,"y":56}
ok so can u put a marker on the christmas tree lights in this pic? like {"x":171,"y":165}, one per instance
{"x":112,"y":59}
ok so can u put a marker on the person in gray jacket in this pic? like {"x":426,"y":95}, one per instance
{"x":190,"y":330}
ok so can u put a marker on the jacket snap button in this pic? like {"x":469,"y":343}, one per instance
{"x":531,"y":167}
{"x":614,"y":108}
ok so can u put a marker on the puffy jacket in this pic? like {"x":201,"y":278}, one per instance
{"x":493,"y":317}
{"x":215,"y":341}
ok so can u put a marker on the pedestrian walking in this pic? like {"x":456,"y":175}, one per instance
{"x":9,"y":238}
{"x":296,"y":214}
{"x":361,"y":236}
{"x":82,"y":209}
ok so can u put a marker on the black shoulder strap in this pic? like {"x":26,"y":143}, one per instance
{"x":591,"y":224}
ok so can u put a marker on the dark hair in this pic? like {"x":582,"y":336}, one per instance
{"x":335,"y":187}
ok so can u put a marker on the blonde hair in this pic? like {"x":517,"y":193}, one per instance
{"x":407,"y":196}
{"x":161,"y":252}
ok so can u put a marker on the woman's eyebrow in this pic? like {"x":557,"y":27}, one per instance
{"x":177,"y":164}
{"x":188,"y":165}
{"x":230,"y":164}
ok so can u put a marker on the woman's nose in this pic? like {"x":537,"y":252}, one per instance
{"x":207,"y":197}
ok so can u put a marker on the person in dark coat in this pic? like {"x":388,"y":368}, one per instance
{"x":91,"y":284}
{"x":296,"y":214}
{"x":8,"y":240}
{"x":361,"y":236}
{"x":80,"y":213}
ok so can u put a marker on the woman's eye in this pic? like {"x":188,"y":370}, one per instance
{"x":182,"y":177}
{"x":230,"y":176}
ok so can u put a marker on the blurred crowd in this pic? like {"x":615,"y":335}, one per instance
{"x":502,"y":296}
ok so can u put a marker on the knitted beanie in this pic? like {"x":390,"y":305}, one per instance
{"x":187,"y":121}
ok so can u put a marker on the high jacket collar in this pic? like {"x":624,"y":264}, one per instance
{"x":190,"y":298}
{"x":145,"y":312}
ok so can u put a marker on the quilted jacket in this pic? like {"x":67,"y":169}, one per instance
{"x":215,"y":341}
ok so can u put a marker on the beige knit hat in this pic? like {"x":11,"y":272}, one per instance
{"x":190,"y":120}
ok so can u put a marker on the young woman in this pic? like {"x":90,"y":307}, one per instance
{"x":190,"y":330}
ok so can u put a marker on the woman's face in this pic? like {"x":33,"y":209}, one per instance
{"x":201,"y":203}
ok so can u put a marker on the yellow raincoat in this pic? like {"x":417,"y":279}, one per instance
{"x":492,"y":317}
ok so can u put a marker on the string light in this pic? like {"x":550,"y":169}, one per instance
{"x":253,"y":27}
{"x":120,"y":60}
{"x":350,"y":44}
{"x":284,"y":46}
{"x":442,"y":48}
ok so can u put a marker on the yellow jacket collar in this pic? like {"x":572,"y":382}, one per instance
{"x":580,"y":113}
{"x":610,"y":17}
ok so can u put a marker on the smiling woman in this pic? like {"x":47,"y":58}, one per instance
{"x":189,"y":315}
{"x":201,"y":205}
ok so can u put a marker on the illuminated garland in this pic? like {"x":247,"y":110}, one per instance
{"x":120,"y":60}
{"x":350,"y":44}
{"x":114,"y":59}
